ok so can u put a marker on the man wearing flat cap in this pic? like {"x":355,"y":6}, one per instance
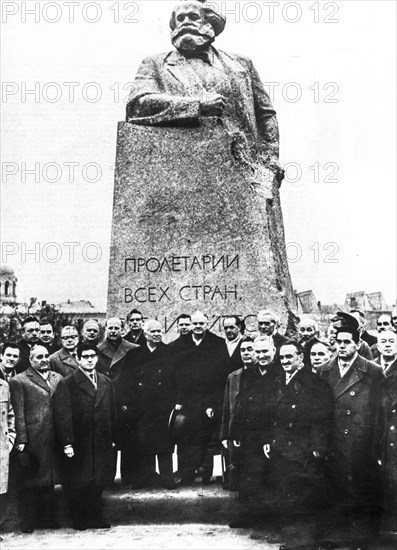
{"x":356,"y":384}
{"x":182,"y":87}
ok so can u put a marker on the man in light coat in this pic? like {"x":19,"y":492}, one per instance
{"x":31,"y":397}
{"x":65,"y":361}
{"x":7,"y":438}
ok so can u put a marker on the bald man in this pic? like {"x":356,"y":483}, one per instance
{"x":145,"y":393}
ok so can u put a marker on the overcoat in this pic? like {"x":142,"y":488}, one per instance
{"x":389,"y":447}
{"x":63,"y":362}
{"x":201,"y":374}
{"x":110,"y":360}
{"x":7,"y":433}
{"x":84,"y":418}
{"x":168,"y":91}
{"x":356,"y":431}
{"x":303,"y":416}
{"x":31,"y":398}
{"x":145,"y":394}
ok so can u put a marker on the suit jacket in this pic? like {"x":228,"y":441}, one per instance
{"x":7,"y":433}
{"x":233,"y":362}
{"x":63,"y":362}
{"x":84,"y":418}
{"x":168,"y":91}
{"x":31,"y":398}
{"x":110,"y":359}
{"x":2,"y":375}
{"x":391,"y":370}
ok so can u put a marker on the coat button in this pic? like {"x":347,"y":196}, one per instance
{"x":290,"y":425}
{"x":394,"y":411}
{"x":348,"y":412}
{"x":160,"y":383}
{"x":159,"y":370}
{"x":352,"y":393}
{"x":289,"y":443}
{"x":293,"y":406}
{"x":391,"y":444}
{"x":140,"y":384}
{"x":124,"y":408}
{"x":346,"y":432}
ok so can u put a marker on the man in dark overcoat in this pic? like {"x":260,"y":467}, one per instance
{"x":84,"y":420}
{"x":389,"y":453}
{"x":251,"y":429}
{"x":31,"y":397}
{"x":145,"y":393}
{"x":30,"y":337}
{"x":356,"y":385}
{"x":113,"y":350}
{"x":201,"y":376}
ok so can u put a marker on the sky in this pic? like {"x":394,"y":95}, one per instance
{"x":330,"y":69}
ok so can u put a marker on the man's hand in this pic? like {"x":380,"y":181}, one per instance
{"x":213,"y":105}
{"x":209,"y":412}
{"x":21,"y":447}
{"x":178,"y":407}
{"x":224,"y":443}
{"x":69,"y":451}
{"x":316,"y":454}
{"x":236,"y":443}
{"x":266,"y":450}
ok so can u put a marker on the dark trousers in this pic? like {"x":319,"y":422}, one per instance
{"x":193,"y":457}
{"x":85,"y":504}
{"x":141,"y":469}
{"x":37,"y":507}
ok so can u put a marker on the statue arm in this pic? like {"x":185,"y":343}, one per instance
{"x":266,"y":119}
{"x":149,"y":104}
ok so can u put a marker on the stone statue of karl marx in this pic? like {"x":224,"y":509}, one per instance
{"x":181,"y":87}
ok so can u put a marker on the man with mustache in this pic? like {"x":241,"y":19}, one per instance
{"x":182,"y":87}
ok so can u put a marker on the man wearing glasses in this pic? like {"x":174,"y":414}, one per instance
{"x":65,"y":360}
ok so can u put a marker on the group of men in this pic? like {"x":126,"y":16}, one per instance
{"x":303,"y":425}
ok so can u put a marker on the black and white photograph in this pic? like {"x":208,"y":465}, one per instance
{"x":198,"y":313}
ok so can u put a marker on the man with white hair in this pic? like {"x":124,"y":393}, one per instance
{"x":267,"y":326}
{"x":307,"y":331}
{"x":91,"y":332}
{"x":387,"y":346}
{"x":145,"y":393}
{"x":201,"y":374}
{"x":113,"y":350}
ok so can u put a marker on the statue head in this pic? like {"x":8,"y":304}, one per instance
{"x":194,"y":25}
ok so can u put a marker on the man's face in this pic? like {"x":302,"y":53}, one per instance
{"x":266,"y":325}
{"x":113,"y":329}
{"x":191,"y":30}
{"x":247,"y":353}
{"x":90,"y":332}
{"x":135,"y":322}
{"x":199,"y":324}
{"x":319,"y":354}
{"x":88,"y":360}
{"x":387,"y":344}
{"x":46,"y":334}
{"x":39,"y":359}
{"x":331,"y":335}
{"x":184,"y":326}
{"x":291,"y":359}
{"x":345,"y":345}
{"x":264,"y":352}
{"x":154,"y":334}
{"x":394,"y":320}
{"x":383,"y":323}
{"x":307,"y":330}
{"x":10,"y":358}
{"x":31,"y":332}
{"x":231,"y":329}
{"x":69,"y":338}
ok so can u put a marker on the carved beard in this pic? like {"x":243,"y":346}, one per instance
{"x":191,"y":39}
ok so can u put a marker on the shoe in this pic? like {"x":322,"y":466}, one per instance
{"x":79,"y":526}
{"x":242,"y":523}
{"x":27,"y":530}
{"x":100,"y":524}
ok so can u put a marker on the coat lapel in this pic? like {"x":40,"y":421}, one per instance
{"x":84,"y":383}
{"x":68,"y":359}
{"x":354,"y":375}
{"x":37,"y":379}
{"x":120,"y":353}
{"x":179,"y":69}
{"x":101,"y":389}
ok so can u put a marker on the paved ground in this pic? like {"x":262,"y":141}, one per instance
{"x":194,"y":518}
